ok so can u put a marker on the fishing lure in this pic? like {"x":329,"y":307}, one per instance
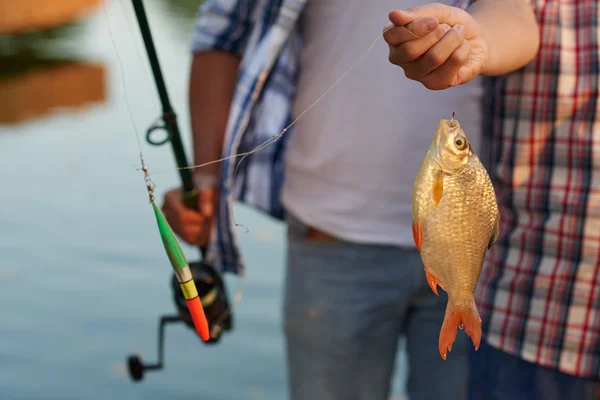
{"x":178,"y":262}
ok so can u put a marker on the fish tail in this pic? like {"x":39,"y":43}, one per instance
{"x":459,"y":315}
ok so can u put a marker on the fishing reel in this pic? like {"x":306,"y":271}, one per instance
{"x":213,"y":295}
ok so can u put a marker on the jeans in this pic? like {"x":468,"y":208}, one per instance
{"x":345,"y":307}
{"x":495,"y":375}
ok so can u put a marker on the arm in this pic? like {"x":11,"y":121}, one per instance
{"x":218,"y":42}
{"x":212,"y":83}
{"x":492,"y":37}
{"x":511,"y":32}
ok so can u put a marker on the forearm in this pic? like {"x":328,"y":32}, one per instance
{"x":511,"y":33}
{"x":212,"y":83}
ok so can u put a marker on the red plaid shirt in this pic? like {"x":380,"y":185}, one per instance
{"x":539,"y":291}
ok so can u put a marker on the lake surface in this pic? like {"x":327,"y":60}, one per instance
{"x":83,"y":274}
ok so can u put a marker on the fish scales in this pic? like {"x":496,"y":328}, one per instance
{"x":455,"y":221}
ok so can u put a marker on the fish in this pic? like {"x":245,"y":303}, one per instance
{"x":455,"y":221}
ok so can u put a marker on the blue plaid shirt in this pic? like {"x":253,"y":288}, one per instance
{"x":265,"y":33}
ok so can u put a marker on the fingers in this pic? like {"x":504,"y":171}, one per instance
{"x":401,"y":17}
{"x":196,"y":235}
{"x":447,"y":75}
{"x":412,"y":50}
{"x":448,"y":55}
{"x":436,"y":56}
{"x":396,"y":35}
{"x":443,"y":13}
{"x":190,"y":225}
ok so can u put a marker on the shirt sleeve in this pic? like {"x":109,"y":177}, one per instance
{"x":223,"y":25}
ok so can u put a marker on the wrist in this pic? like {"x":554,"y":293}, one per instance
{"x":487,"y":66}
{"x":510,"y":32}
{"x":205,"y":180}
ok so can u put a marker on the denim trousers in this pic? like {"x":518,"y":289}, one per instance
{"x":345,"y":307}
{"x":496,"y":375}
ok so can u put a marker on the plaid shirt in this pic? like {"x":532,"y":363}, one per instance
{"x":265,"y":34}
{"x":539,"y":291}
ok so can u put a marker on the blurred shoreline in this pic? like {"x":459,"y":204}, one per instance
{"x":20,"y":16}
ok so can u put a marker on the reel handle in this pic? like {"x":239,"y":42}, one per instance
{"x":134,"y":362}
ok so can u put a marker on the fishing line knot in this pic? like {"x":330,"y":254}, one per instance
{"x":150,"y":186}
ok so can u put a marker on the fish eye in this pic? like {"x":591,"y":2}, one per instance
{"x":460,"y":143}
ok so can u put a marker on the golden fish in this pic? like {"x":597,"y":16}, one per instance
{"x":455,"y":221}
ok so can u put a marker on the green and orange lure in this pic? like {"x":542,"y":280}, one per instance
{"x":179,"y":263}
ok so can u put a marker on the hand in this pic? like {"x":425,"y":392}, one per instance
{"x":438,"y":45}
{"x":192,"y":226}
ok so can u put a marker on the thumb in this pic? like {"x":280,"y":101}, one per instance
{"x":401,"y":17}
{"x":444,"y":14}
{"x":172,"y":199}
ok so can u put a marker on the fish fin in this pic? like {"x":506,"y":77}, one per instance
{"x":417,"y":233}
{"x":432,"y":280}
{"x":496,"y":232}
{"x":463,"y":315}
{"x":438,"y":188}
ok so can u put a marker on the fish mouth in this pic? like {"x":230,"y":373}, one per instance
{"x":445,"y":128}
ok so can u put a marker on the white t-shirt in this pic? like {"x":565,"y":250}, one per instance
{"x":352,"y":161}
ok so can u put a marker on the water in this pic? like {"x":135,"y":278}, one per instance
{"x":83,"y":275}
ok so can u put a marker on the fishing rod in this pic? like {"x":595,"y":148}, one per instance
{"x":168,"y":117}
{"x":208,"y":282}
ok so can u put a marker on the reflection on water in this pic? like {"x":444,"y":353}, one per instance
{"x":83,"y":274}
{"x":44,"y":40}
{"x":18,"y":16}
{"x":32,"y":86}
{"x":38,"y":76}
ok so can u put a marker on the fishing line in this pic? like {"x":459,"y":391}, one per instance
{"x":243,"y":155}
{"x":278,"y":136}
{"x":138,"y":53}
{"x":124,"y":85}
{"x":150,"y":185}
